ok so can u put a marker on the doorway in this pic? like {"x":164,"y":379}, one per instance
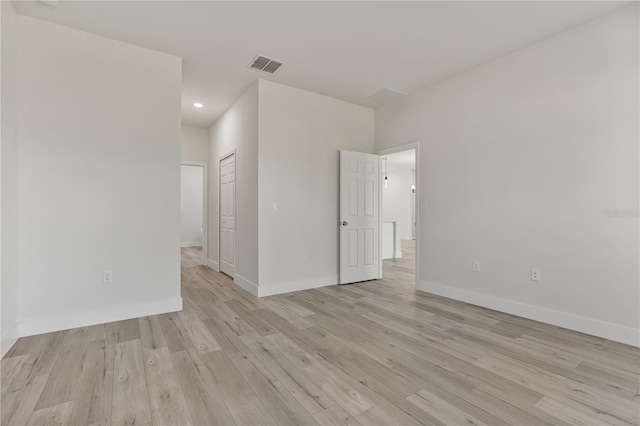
{"x":193,"y":210}
{"x":399,"y":231}
{"x":227,"y":236}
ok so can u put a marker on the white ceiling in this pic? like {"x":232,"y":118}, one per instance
{"x":347,"y":50}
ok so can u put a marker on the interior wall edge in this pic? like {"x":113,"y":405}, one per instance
{"x":591,"y":326}
{"x":290,"y":286}
{"x":246,"y":284}
{"x":9,"y":338}
{"x":54,"y":323}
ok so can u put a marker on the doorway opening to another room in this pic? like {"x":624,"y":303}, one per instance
{"x":193,"y":212}
{"x":399,"y":229}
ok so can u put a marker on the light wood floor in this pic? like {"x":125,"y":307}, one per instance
{"x":402,"y":270}
{"x":369,"y":353}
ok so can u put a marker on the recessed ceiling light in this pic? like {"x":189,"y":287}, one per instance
{"x":198,"y":105}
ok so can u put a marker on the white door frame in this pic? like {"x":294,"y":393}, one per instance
{"x":205,"y":207}
{"x":393,"y":150}
{"x":223,"y":157}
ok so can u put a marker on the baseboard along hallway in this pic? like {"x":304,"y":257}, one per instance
{"x":377,"y":352}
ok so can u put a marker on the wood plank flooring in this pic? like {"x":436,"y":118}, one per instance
{"x":370,"y":353}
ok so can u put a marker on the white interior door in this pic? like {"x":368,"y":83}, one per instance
{"x":359,"y":221}
{"x":228,"y":215}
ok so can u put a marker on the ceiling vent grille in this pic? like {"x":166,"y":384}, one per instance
{"x":264,"y":64}
{"x":385,"y":96}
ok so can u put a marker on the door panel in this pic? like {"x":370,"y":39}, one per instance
{"x":227,"y":215}
{"x":368,"y":197}
{"x":359,"y":221}
{"x":352,"y":248}
{"x":368,"y":246}
{"x":353,"y":197}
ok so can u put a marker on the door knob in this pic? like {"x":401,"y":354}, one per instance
{"x":344,"y":223}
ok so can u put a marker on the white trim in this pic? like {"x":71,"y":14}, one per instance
{"x":246,"y":284}
{"x":397,"y":255}
{"x":9,"y":339}
{"x":99,"y":316}
{"x":380,"y":185}
{"x":191,"y":244}
{"x":288,"y":287}
{"x":192,"y":163}
{"x":418,"y":216}
{"x":607,"y":330}
{"x":205,"y":207}
{"x":213,"y":265}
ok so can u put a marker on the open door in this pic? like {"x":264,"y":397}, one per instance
{"x":359,"y":217}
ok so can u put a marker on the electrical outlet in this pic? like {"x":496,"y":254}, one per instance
{"x":424,"y":208}
{"x":475,"y":266}
{"x":274,"y":206}
{"x":303,"y":256}
{"x":535,"y":275}
{"x":107,"y":277}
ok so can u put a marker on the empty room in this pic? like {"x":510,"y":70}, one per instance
{"x":320,"y":213}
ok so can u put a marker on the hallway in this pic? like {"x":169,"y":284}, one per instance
{"x":402,"y":269}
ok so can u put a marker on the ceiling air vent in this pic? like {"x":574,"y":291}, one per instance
{"x":385,"y":96}
{"x":264,"y":64}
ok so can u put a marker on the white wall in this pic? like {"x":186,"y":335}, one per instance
{"x":8,"y":179}
{"x":98,"y":178}
{"x":396,"y":200}
{"x":191,"y":206}
{"x":300,"y":136}
{"x":520,"y":159}
{"x":237,"y":129}
{"x":194,"y":144}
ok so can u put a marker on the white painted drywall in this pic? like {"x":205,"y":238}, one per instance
{"x":8,"y":179}
{"x":396,"y":201}
{"x":237,"y":130}
{"x":191,"y":199}
{"x":98,"y":178}
{"x":521,"y":159}
{"x":195,"y":144}
{"x":300,"y":136}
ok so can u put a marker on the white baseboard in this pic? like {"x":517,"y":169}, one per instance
{"x":213,"y":265}
{"x":191,"y":244}
{"x":251,"y":287}
{"x":83,"y":319}
{"x":607,"y":330}
{"x":8,"y":339}
{"x":279,"y":288}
